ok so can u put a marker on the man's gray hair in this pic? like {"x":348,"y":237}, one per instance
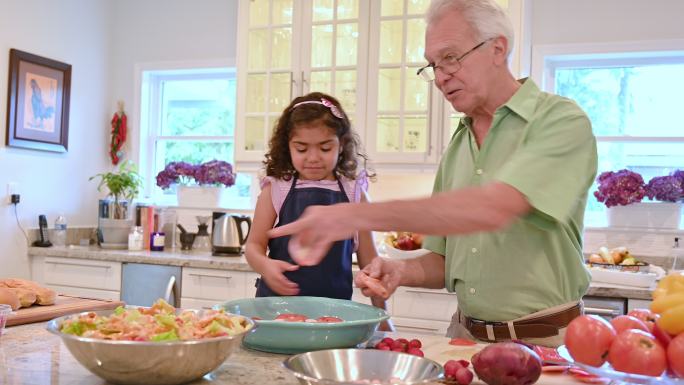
{"x":486,"y":18}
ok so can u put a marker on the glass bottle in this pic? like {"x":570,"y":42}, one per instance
{"x":135,"y":238}
{"x":60,"y":231}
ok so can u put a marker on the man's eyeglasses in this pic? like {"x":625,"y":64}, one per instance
{"x":448,"y":65}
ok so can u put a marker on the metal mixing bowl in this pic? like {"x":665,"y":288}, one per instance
{"x":133,"y":362}
{"x":355,"y":366}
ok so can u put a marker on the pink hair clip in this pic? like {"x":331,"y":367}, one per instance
{"x":333,"y":108}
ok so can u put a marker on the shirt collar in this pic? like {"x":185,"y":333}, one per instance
{"x":524,"y":100}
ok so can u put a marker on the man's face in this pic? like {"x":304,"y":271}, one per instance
{"x":450,"y":35}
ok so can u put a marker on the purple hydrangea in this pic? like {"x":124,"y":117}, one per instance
{"x":679,"y":174}
{"x":664,"y":188}
{"x":620,"y":188}
{"x":215,"y":172}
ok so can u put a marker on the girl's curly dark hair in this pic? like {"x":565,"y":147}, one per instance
{"x":278,"y":163}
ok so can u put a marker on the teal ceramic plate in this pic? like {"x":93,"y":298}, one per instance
{"x":359,"y":323}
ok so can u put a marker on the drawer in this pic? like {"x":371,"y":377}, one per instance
{"x":86,"y":293}
{"x":420,"y":326}
{"x":424,"y":304}
{"x":213,"y":284}
{"x":191,"y":303}
{"x":83,"y":273}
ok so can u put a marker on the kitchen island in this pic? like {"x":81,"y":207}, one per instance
{"x":30,"y":355}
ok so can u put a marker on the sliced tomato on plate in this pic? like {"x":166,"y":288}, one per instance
{"x":328,"y":319}
{"x":291,"y":317}
{"x":586,"y":377}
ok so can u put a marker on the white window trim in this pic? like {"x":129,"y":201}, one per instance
{"x":547,"y":58}
{"x":138,"y":141}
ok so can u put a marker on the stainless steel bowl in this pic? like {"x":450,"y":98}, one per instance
{"x":132,"y":362}
{"x":355,"y":366}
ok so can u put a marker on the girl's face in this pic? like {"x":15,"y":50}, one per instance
{"x":314,"y":150}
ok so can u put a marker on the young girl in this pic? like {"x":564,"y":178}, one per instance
{"x":312,"y":160}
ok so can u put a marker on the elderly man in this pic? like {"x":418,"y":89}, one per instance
{"x":509,"y":195}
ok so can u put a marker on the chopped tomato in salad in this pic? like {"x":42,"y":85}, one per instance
{"x":157,"y":323}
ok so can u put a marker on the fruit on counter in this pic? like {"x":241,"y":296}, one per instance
{"x":626,"y":322}
{"x":404,"y":240}
{"x":668,"y":302}
{"x":663,"y":337}
{"x":588,"y":339}
{"x":637,"y":352}
{"x":507,"y":363}
{"x":646,"y":316}
{"x":401,"y":345}
{"x":675,"y":355}
{"x":615,"y":256}
{"x":29,"y":292}
{"x":670,"y":284}
{"x":458,"y":371}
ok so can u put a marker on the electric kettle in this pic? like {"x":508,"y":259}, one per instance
{"x":228,"y":234}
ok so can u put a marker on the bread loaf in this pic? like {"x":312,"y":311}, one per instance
{"x":8,"y":297}
{"x":26,"y":297}
{"x":44,"y":296}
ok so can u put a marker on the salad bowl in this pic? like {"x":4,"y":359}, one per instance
{"x":147,"y":362}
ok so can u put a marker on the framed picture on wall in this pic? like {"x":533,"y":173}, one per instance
{"x":38,"y":102}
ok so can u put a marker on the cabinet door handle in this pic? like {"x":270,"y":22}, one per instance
{"x":209,"y":275}
{"x":602,"y":311}
{"x":171,"y":289}
{"x":78,"y":264}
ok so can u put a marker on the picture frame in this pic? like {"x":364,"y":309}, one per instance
{"x":38,"y":102}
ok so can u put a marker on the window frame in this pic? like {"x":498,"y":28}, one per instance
{"x":546,"y":59}
{"x":149,"y":78}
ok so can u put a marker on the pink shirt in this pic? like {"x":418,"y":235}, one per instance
{"x":353,"y":188}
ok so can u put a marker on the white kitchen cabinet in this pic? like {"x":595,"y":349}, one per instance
{"x":424,"y":311}
{"x":203,"y":288}
{"x":78,"y":277}
{"x":638,"y":304}
{"x":287,"y":48}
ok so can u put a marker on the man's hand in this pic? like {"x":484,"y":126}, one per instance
{"x":380,"y":278}
{"x":276,"y":280}
{"x":314,"y":232}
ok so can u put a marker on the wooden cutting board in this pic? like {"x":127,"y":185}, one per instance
{"x":63,"y":305}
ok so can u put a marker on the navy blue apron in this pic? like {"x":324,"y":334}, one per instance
{"x":331,"y":278}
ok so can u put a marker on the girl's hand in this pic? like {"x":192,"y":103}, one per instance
{"x":276,"y":280}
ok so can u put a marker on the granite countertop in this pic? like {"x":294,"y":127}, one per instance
{"x":30,"y":355}
{"x":204,"y":259}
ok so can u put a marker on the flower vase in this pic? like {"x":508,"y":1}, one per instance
{"x":653,"y":215}
{"x":202,"y":196}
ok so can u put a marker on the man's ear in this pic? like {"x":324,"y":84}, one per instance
{"x":500,"y":45}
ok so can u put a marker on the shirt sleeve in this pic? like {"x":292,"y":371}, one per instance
{"x":557,"y":161}
{"x":360,"y":186}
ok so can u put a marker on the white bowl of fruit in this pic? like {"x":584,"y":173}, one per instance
{"x":404,"y":245}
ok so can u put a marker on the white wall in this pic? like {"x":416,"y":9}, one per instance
{"x":75,"y":32}
{"x":103,"y":41}
{"x":591,"y":21}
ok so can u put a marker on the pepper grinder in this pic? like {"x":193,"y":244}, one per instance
{"x":677,"y":252}
{"x":202,"y":241}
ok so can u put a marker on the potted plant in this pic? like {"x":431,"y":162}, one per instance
{"x":200,"y":185}
{"x":123,"y":186}
{"x":623,"y":192}
{"x":114,"y":223}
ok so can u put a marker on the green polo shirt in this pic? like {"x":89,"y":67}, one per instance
{"x":542,"y":145}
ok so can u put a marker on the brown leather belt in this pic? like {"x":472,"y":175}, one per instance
{"x":539,"y":327}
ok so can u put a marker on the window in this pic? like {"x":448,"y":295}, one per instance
{"x":632,"y":100}
{"x":188,"y":115}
